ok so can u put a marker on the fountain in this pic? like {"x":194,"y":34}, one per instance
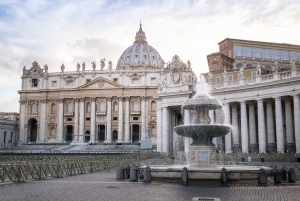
{"x":202,"y":150}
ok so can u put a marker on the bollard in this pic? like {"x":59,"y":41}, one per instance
{"x":224,"y":177}
{"x":283,"y":173}
{"x":277,"y":176}
{"x":262,"y":177}
{"x":185,"y":176}
{"x":147,"y":174}
{"x":133,"y":173}
{"x":127,"y":171}
{"x":120,"y":173}
{"x":291,"y":175}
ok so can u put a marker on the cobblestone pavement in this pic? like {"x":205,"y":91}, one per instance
{"x":104,"y":186}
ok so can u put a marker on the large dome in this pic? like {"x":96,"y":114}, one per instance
{"x":140,"y":54}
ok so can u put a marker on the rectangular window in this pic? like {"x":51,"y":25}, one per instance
{"x":253,"y":73}
{"x":135,"y":80}
{"x":267,"y":53}
{"x":284,"y":55}
{"x":257,"y":52}
{"x":115,"y":80}
{"x":88,"y":81}
{"x":88,"y":119}
{"x":54,"y":84}
{"x":218,"y":79}
{"x":153,"y":80}
{"x":248,"y":52}
{"x":238,"y":50}
{"x":215,"y":67}
{"x":135,"y":118}
{"x":4,"y":139}
{"x":70,"y":82}
{"x":34,"y":82}
{"x":276,"y":54}
{"x":230,"y":77}
{"x":11,"y":136}
{"x":294,"y":55}
{"x":115,"y":118}
{"x":69,"y":119}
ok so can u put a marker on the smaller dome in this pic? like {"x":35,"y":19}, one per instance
{"x":140,"y":54}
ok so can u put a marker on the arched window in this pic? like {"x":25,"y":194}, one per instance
{"x":70,"y":107}
{"x":135,"y":106}
{"x":153,"y":105}
{"x":33,"y":108}
{"x":88,"y":107}
{"x":239,"y":65}
{"x":53,"y":108}
{"x":116,"y":106}
{"x":102,"y":106}
{"x":249,"y":66}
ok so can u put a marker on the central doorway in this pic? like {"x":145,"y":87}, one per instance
{"x":115,"y":135}
{"x":101,"y":132}
{"x":33,"y":130}
{"x":135,"y":133}
{"x":87,"y":136}
{"x":69,"y":133}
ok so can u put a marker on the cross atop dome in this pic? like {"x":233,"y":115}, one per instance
{"x":140,"y":36}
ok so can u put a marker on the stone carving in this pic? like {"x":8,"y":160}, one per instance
{"x":193,"y":156}
{"x":62,"y":68}
{"x":293,"y":66}
{"x":102,"y":61}
{"x":258,"y":70}
{"x":224,"y":75}
{"x":101,"y":83}
{"x":276,"y":67}
{"x":23,"y":101}
{"x":83,"y":66}
{"x":93,"y":65}
{"x":241,"y":72}
{"x":24,"y":70}
{"x":78,"y":67}
{"x":109,"y":65}
{"x":147,"y":133}
{"x":188,"y":64}
{"x":46,"y":68}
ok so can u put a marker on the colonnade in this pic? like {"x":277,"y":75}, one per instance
{"x":255,"y":122}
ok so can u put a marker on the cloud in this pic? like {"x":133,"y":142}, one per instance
{"x":56,"y":32}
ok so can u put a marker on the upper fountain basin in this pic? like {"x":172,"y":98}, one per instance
{"x":194,"y":130}
{"x":202,"y":100}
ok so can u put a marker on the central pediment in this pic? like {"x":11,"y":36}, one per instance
{"x":101,"y":83}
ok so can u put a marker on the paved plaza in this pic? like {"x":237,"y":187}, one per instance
{"x":104,"y":186}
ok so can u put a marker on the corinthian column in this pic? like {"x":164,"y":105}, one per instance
{"x":93,"y":120}
{"x":261,"y":126}
{"x":81,"y":121}
{"x":143,"y":117}
{"x":108,"y":121}
{"x":289,"y":121}
{"x":227,"y":122}
{"x":279,"y":125}
{"x":244,"y":127}
{"x":127,"y":119}
{"x":43,"y":120}
{"x":165,"y":133}
{"x":297,"y":122}
{"x":60,"y":129}
{"x":22,"y":134}
{"x":120,"y":125}
{"x":76,"y":137}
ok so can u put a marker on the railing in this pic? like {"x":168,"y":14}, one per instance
{"x":285,"y":74}
{"x":267,"y":77}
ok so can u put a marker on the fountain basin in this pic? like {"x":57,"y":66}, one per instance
{"x":202,"y":134}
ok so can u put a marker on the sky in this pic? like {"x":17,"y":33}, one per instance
{"x":53,"y":32}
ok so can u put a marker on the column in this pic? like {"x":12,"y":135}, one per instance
{"x":127,"y":120}
{"x":227,"y":122}
{"x":76,"y":137}
{"x":165,"y":128}
{"x":297,"y":122}
{"x":279,"y":125}
{"x":60,"y":129}
{"x":289,"y":127}
{"x":158,"y":125}
{"x":120,"y":124}
{"x":252,"y":124}
{"x":244,"y":127}
{"x":270,"y":123}
{"x":93,"y":120}
{"x":235,"y":124}
{"x":43,"y":121}
{"x":261,"y":126}
{"x":108,"y":120}
{"x":143,"y":115}
{"x":23,"y":133}
{"x":81,"y":121}
{"x":187,"y":121}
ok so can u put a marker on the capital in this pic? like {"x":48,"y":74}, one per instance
{"x":44,"y":100}
{"x":251,"y":103}
{"x":108,"y":99}
{"x":93,"y":99}
{"x":23,"y":101}
{"x":121,"y":98}
{"x":127,"y":98}
{"x":60,"y":100}
{"x":76,"y":100}
{"x":82,"y":100}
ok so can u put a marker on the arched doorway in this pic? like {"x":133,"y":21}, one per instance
{"x":87,"y":136}
{"x":32,"y":126}
{"x":115,"y":135}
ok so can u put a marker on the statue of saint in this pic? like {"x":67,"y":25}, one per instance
{"x":293,"y":66}
{"x":276,"y":67}
{"x":46,"y":68}
{"x":62,"y":68}
{"x":188,"y":64}
{"x":93,"y":65}
{"x":78,"y":66}
{"x":109,"y":65}
{"x":258,"y":69}
{"x":241,"y":72}
{"x":224,"y":75}
{"x":24,"y":69}
{"x":102,"y":63}
{"x":83,"y":66}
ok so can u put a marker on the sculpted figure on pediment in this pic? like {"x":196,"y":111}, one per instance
{"x":109,"y":65}
{"x":93,"y":65}
{"x":46,"y":68}
{"x":102,"y":63}
{"x":83,"y":66}
{"x":292,"y":61}
{"x":78,"y":67}
{"x":62,"y":68}
{"x":258,"y":69}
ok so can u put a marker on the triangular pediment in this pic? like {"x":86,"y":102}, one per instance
{"x":101,"y":83}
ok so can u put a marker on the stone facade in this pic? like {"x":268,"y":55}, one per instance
{"x":259,"y":85}
{"x":105,"y":104}
{"x":9,"y":129}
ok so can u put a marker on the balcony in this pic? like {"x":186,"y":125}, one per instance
{"x":69,"y":114}
{"x":33,"y":114}
{"x":135,"y":113}
{"x":99,"y":113}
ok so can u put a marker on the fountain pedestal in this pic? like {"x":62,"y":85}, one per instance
{"x":202,"y":156}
